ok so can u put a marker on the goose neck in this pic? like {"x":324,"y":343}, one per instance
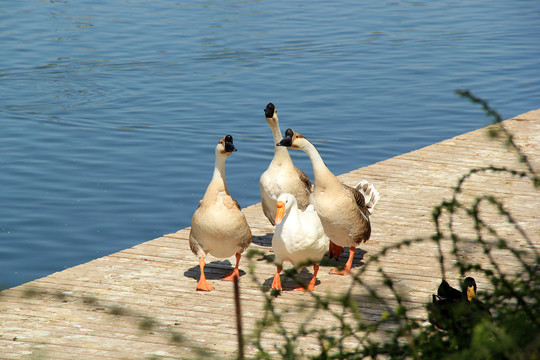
{"x":280,"y":152}
{"x":320,"y":170}
{"x":291,"y":216}
{"x":218,"y":183}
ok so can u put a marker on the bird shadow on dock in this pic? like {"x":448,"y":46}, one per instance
{"x":288,"y":283}
{"x":214,"y":270}
{"x":263,"y":240}
{"x":358,"y":259}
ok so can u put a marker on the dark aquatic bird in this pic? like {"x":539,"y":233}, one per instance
{"x":218,"y":226}
{"x":456,"y":310}
{"x":344,"y":211}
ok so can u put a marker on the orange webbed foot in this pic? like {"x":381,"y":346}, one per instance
{"x":235,"y":272}
{"x":204,"y":285}
{"x":340,"y":272}
{"x":311,"y":285}
{"x":232,"y":275}
{"x":276,"y":283}
{"x":303,"y":288}
{"x":348,"y":265}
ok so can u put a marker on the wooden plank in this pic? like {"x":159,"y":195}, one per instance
{"x":141,"y":302}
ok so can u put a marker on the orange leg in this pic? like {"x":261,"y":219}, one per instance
{"x":203,"y":285}
{"x":311,"y":284}
{"x":276,"y":284}
{"x":334,"y":250}
{"x":235,"y":272}
{"x":348,"y":265}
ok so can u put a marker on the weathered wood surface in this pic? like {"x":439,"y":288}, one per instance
{"x":141,"y":302}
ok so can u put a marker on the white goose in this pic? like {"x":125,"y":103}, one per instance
{"x":344,"y":211}
{"x":298,"y":238}
{"x":218,"y":225}
{"x":281,"y":176}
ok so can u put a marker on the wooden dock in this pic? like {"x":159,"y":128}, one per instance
{"x":141,"y":303}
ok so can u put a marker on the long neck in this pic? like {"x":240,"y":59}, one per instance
{"x":281,"y":154}
{"x":218,"y":183}
{"x":291,"y":216}
{"x":323,"y":176}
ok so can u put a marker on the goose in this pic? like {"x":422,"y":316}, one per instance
{"x":281,"y":176}
{"x":344,"y":211}
{"x":218,"y":226}
{"x":456,"y":310}
{"x":298,"y":238}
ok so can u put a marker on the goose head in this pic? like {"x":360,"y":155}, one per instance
{"x":469,"y":288}
{"x":270,"y":113}
{"x":292,"y":140}
{"x":225,"y":146}
{"x":284,"y":203}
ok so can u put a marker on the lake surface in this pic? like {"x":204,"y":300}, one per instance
{"x":110,"y":110}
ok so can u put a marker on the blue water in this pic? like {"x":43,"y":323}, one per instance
{"x":110,"y":110}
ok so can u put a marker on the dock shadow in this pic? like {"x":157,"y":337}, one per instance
{"x":358,"y":259}
{"x":263,"y":240}
{"x":288,"y":283}
{"x":214,"y":270}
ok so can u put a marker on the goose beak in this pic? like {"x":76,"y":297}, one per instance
{"x":280,"y":212}
{"x":286,"y":141}
{"x":229,"y":145}
{"x":470,"y":293}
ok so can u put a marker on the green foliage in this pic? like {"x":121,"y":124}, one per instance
{"x":512,"y":333}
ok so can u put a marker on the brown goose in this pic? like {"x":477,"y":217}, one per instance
{"x":218,"y":225}
{"x":281,"y":176}
{"x":344,"y":211}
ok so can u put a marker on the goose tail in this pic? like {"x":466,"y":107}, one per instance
{"x":371,"y":195}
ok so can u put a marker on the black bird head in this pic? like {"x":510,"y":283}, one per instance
{"x":229,"y":146}
{"x":287,"y":140}
{"x":269,"y":111}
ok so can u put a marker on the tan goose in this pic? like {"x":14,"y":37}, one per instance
{"x":281,"y":176}
{"x":344,"y":211}
{"x":218,"y":226}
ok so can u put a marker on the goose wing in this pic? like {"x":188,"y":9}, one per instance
{"x":303,"y":178}
{"x":236,"y":204}
{"x":360,"y":201}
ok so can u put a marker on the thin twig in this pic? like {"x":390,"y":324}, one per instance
{"x":238,"y":319}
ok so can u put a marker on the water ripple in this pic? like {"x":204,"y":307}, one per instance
{"x":111,"y":110}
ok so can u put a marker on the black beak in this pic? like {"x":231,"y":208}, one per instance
{"x":286,"y":141}
{"x":229,"y":146}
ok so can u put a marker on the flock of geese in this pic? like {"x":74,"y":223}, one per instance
{"x":309,"y":220}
